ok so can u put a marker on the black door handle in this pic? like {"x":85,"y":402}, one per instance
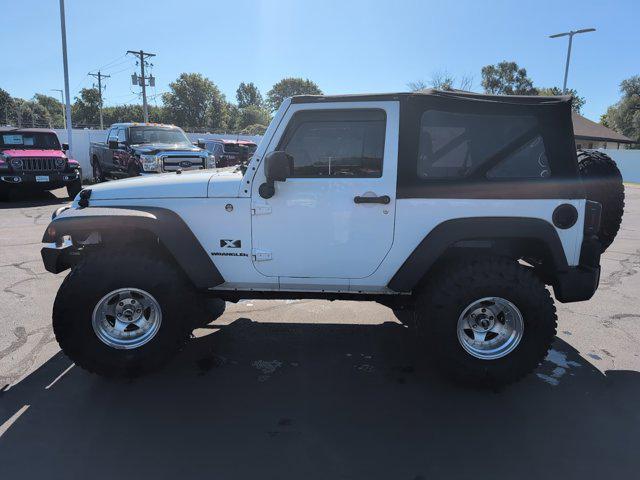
{"x":384,"y":199}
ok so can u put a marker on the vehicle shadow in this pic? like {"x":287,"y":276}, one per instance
{"x":290,"y":401}
{"x":24,"y":198}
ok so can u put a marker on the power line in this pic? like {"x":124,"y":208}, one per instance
{"x":111,"y":62}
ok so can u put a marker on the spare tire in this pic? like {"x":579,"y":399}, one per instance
{"x":603,"y":184}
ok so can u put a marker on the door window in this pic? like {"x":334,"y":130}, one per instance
{"x":336,"y":143}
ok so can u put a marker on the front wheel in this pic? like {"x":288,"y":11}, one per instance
{"x":122,"y":314}
{"x":74,"y":188}
{"x":488,"y":322}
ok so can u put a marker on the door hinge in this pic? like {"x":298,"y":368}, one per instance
{"x":260,"y":209}
{"x":260,"y":255}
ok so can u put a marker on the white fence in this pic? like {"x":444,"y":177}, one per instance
{"x":628,"y":162}
{"x":83,"y":138}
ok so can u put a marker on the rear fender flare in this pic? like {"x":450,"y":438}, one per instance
{"x":450,"y":232}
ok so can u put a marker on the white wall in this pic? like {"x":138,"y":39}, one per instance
{"x":628,"y":162}
{"x":83,"y":138}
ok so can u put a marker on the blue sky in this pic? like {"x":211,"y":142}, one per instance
{"x":344,"y":46}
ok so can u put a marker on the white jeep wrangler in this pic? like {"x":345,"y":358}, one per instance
{"x":455,"y":208}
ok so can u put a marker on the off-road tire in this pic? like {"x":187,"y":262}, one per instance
{"x":74,"y":188}
{"x":456,"y":286}
{"x":210,"y":309}
{"x":100,"y":274}
{"x":603,"y":183}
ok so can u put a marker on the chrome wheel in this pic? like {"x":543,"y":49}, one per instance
{"x":490,"y":328}
{"x":126,"y":318}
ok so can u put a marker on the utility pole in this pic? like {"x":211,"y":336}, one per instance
{"x":142,"y":80}
{"x":66,"y":75}
{"x":100,"y":76}
{"x":64,"y":120}
{"x":570,"y":35}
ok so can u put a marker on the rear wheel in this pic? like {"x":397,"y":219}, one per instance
{"x":133,"y":171}
{"x":98,"y":174}
{"x":603,"y":183}
{"x":488,"y":322}
{"x":123,"y":314}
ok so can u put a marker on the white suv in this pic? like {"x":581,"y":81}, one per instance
{"x":455,"y":208}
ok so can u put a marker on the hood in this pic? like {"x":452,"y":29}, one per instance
{"x":21,"y":153}
{"x":188,"y":184}
{"x":154,"y":148}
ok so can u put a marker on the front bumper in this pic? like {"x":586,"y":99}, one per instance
{"x":45,"y":180}
{"x":58,"y":257}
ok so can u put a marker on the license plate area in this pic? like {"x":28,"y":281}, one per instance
{"x":42,"y":178}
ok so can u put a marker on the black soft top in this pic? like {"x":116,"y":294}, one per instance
{"x":550,"y":119}
{"x":453,"y":95}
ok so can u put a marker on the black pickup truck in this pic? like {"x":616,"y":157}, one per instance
{"x":133,"y":149}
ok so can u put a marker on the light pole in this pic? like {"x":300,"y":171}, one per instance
{"x":570,"y":34}
{"x":66,"y":75}
{"x":64,"y":120}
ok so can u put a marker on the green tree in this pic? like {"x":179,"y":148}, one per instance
{"x":507,"y":78}
{"x":7,"y":108}
{"x":131,"y":113}
{"x":29,"y":114}
{"x":577,"y":101}
{"x":195,"y":102}
{"x":234,"y":117}
{"x":624,"y":116}
{"x":288,"y":87}
{"x":86,"y":108}
{"x":248,"y":94}
{"x":253,"y":115}
{"x":53,"y":106}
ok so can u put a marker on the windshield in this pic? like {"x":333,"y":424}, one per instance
{"x":29,"y":140}
{"x":142,"y":135}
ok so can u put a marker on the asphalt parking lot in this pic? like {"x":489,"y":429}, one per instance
{"x":314,"y":389}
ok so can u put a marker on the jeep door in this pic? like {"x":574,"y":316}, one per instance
{"x":334,"y":218}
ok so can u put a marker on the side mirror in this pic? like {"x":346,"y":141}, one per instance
{"x":65,"y":147}
{"x":278,"y":166}
{"x":200,"y":143}
{"x":113,"y":144}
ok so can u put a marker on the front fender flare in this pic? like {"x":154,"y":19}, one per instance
{"x":165,"y":224}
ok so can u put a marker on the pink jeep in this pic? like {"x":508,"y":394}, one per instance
{"x":34,"y":158}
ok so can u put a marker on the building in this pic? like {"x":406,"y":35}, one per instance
{"x":590,"y":134}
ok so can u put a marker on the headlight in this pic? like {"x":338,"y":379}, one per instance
{"x":59,"y":162}
{"x":211,"y":161}
{"x":16,"y":163}
{"x":150,"y":163}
